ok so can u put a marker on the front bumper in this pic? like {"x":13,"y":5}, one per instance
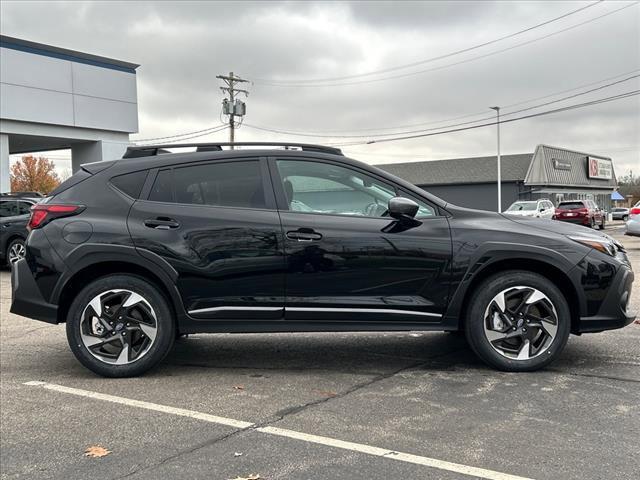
{"x":26,"y":299}
{"x":613,"y":312}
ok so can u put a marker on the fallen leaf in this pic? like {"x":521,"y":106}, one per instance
{"x":326,"y":393}
{"x":252,"y":476}
{"x":238,"y":387}
{"x":96,"y":451}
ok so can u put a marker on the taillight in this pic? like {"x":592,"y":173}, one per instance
{"x":583,"y":210}
{"x":634,"y":211}
{"x":41,"y":214}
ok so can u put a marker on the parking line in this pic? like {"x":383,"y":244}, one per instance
{"x":281,"y":432}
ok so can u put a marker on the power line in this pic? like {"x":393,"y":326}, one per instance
{"x":444,"y":126}
{"x":441,"y":67}
{"x":432,"y":59}
{"x":202,"y":134}
{"x":468,"y":115}
{"x":141,"y":140}
{"x":533,"y":115}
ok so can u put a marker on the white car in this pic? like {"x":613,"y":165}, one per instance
{"x":533,"y":208}
{"x":633,"y":224}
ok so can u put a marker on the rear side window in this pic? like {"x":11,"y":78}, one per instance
{"x":24,"y":208}
{"x":233,"y":184}
{"x":162,"y":190}
{"x":130,"y":183}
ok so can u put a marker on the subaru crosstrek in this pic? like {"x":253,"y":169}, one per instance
{"x":132,"y":253}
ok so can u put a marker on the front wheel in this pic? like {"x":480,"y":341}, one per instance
{"x":120,"y":326}
{"x":517,"y":321}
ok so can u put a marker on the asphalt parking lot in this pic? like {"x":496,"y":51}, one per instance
{"x":321,"y":406}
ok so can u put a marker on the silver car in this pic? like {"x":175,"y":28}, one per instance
{"x":633,"y":224}
{"x":620,"y":213}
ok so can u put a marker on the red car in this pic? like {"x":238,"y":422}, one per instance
{"x":582,"y":212}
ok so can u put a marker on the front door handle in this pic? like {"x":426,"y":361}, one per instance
{"x":161,"y":223}
{"x":304,"y":235}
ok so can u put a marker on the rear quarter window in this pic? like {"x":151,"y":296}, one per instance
{"x":130,"y":183}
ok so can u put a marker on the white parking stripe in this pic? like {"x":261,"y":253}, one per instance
{"x":230,"y":422}
{"x":281,"y":432}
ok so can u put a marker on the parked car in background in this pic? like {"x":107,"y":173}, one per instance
{"x":131,"y":253}
{"x":14,"y":217}
{"x":620,"y":213}
{"x":581,"y":212}
{"x":633,"y":224}
{"x":534,"y":208}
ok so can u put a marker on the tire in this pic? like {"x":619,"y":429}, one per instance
{"x":15,"y":250}
{"x":507,"y":354}
{"x":601,"y":227}
{"x":592,"y":223}
{"x":147,"y":320}
{"x":625,"y":218}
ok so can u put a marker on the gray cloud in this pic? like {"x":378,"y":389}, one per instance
{"x":182,"y":46}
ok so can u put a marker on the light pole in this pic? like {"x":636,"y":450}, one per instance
{"x":497,"y":109}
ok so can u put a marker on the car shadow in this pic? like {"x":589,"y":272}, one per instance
{"x":361,"y":353}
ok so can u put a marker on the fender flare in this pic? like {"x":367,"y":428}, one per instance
{"x":89,"y":254}
{"x":490,"y":253}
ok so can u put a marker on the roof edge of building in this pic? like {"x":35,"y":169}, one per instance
{"x":65,"y":54}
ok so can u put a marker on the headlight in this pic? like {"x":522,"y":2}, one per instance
{"x":602,"y":245}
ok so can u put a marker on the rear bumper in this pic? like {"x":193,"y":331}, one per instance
{"x":613,"y":312}
{"x":574,"y":220}
{"x":26,"y":299}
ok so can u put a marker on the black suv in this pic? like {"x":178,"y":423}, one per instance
{"x":14,"y":217}
{"x":133,"y":252}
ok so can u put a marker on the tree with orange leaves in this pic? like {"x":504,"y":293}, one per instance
{"x":31,"y":174}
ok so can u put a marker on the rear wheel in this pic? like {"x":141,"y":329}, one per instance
{"x":625,"y":218}
{"x":15,"y":250}
{"x":602,"y":224}
{"x":517,"y":321}
{"x":120,"y":326}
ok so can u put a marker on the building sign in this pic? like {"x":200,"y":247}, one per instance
{"x":560,"y":165}
{"x":600,"y":168}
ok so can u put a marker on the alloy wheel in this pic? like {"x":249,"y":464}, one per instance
{"x":118,"y":326}
{"x":16,"y":252}
{"x":520,"y":323}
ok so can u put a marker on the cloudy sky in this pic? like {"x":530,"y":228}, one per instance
{"x":289,"y":49}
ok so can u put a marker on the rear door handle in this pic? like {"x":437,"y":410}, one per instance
{"x":304,"y":235}
{"x":161,"y":223}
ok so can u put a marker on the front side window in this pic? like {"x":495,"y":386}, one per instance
{"x":233,"y":184}
{"x":317,"y":187}
{"x":8,"y":208}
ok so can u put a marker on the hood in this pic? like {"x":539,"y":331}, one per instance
{"x":563,"y":228}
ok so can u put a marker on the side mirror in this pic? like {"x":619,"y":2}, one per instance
{"x":542,"y":209}
{"x":402,"y":208}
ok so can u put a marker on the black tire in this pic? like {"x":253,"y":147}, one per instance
{"x":625,"y":218}
{"x":592,"y":223}
{"x":165,"y":326}
{"x":12,"y":244}
{"x":475,"y":321}
{"x":602,"y":224}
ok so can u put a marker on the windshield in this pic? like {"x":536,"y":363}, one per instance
{"x":522,"y":206}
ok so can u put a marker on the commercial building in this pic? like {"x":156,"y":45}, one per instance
{"x":53,"y":98}
{"x":553,"y":173}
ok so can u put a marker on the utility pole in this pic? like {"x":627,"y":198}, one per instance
{"x":497,"y":109}
{"x":233,"y":106}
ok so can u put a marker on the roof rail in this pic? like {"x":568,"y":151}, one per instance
{"x":21,"y":194}
{"x":152,"y":150}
